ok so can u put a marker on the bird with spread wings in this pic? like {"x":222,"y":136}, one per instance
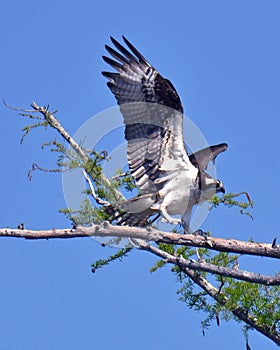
{"x":170,"y":181}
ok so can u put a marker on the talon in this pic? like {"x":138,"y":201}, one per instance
{"x":171,"y":221}
{"x":200,"y":233}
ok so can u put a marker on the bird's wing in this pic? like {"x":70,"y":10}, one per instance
{"x":153,"y":117}
{"x":201,"y":159}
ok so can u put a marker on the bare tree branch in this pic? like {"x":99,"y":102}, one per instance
{"x":75,"y":146}
{"x":142,"y":236}
{"x":214,"y":269}
{"x":149,"y":234}
{"x":56,"y":125}
{"x":216,"y":294}
{"x":53,"y":122}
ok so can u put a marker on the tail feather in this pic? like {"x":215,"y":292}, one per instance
{"x":134,"y":212}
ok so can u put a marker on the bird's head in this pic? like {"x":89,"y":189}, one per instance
{"x":209,"y":187}
{"x":220,"y":187}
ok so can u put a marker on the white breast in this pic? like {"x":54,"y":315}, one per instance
{"x":177,"y":192}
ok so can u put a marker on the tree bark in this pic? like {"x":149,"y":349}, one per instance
{"x":106,"y":229}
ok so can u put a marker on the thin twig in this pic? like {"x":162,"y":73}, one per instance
{"x":74,"y":145}
{"x":247,"y":196}
{"x":92,"y":190}
{"x":118,"y":176}
{"x":18,"y":109}
{"x":56,"y":125}
{"x":53,"y":122}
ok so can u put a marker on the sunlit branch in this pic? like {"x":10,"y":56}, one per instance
{"x":214,"y":269}
{"x":149,"y":234}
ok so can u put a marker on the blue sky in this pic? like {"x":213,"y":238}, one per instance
{"x":223,"y":58}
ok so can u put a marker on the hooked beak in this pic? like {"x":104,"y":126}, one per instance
{"x":220,"y":187}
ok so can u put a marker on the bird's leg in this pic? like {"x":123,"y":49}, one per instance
{"x":167,"y":218}
{"x":186,"y":226}
{"x":187,"y":230}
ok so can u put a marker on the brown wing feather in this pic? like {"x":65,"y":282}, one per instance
{"x":151,"y":109}
{"x":201,"y":159}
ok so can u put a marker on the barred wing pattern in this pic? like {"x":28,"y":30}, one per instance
{"x":153,"y":117}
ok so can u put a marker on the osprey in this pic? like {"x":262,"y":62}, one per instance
{"x":170,"y":181}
